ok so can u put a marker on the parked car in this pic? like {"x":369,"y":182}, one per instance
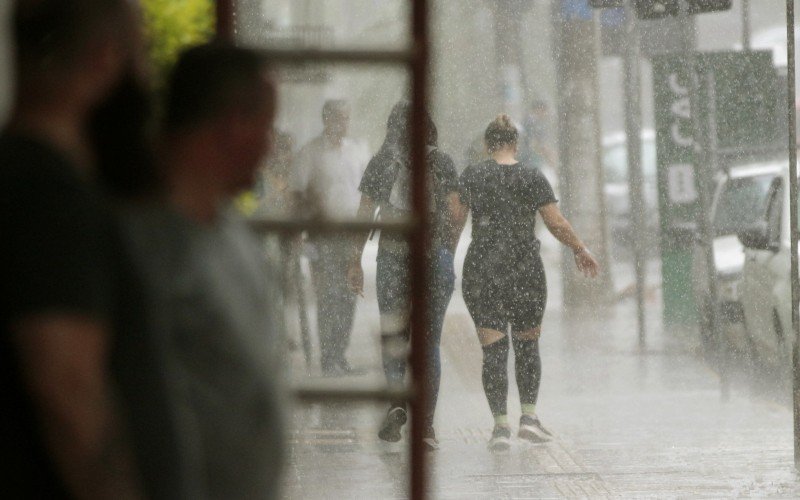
{"x":766,"y":285}
{"x":740,"y":198}
{"x":615,"y":171}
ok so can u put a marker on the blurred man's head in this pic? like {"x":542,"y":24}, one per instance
{"x":539,"y":107}
{"x":224,"y":95}
{"x":279,"y":162}
{"x":335,"y":119}
{"x":71,"y":51}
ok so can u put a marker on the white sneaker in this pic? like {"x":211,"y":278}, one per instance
{"x":530,"y":429}
{"x":430,"y":441}
{"x":501,"y":438}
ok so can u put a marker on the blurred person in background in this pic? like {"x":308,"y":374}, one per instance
{"x":272,"y":187}
{"x":476,"y":151}
{"x":536,"y":148}
{"x":269,"y":196}
{"x":85,"y":404}
{"x":325,"y":181}
{"x":504,"y":280}
{"x":386,"y":186}
{"x":212,"y":294}
{"x":274,"y":201}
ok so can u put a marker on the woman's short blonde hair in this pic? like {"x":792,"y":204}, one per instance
{"x":500,"y":132}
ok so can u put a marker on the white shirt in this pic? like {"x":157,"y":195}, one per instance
{"x":330,"y":175}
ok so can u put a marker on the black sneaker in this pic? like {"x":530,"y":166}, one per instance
{"x":390,"y":430}
{"x":429,"y":440}
{"x":344,"y":365}
{"x":501,"y":438}
{"x":337,"y":367}
{"x":329,"y":368}
{"x":530,"y":429}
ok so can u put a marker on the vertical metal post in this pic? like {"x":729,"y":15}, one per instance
{"x":633,"y":132}
{"x":419,"y":249}
{"x":746,"y":24}
{"x":711,"y":162}
{"x":703,"y":181}
{"x":224,"y":12}
{"x":795,"y":279}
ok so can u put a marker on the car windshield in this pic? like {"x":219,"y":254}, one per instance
{"x":615,"y":162}
{"x":741,"y":203}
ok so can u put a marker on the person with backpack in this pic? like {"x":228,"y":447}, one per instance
{"x":386,"y":186}
{"x":504,"y":281}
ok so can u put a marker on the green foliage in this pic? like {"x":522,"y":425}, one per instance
{"x":171,"y":26}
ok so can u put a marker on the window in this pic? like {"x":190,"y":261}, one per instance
{"x":742,"y":201}
{"x":775,"y":212}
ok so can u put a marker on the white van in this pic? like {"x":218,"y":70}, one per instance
{"x":766,"y":286}
{"x":739,"y":200}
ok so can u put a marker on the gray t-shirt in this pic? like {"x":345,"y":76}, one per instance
{"x":218,"y":303}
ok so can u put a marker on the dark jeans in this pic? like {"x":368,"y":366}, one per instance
{"x":335,"y":303}
{"x":394,"y":305}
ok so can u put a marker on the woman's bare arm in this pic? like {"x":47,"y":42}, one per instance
{"x":355,"y":273}
{"x":458,"y":218}
{"x":560,"y":227}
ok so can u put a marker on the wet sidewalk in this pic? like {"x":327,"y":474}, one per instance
{"x":627,"y":424}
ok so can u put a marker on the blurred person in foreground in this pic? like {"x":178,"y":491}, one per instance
{"x":504,"y":279}
{"x":325,"y":180}
{"x":386,"y":186}
{"x":85,"y":405}
{"x":213,"y":296}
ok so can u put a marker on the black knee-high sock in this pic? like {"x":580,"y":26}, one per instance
{"x":528,"y":366}
{"x":495,"y":375}
{"x":393,"y":353}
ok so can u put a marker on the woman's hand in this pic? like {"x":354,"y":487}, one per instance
{"x":586,"y":263}
{"x":355,"y":278}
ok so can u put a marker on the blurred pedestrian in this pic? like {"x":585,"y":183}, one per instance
{"x":504,"y":279}
{"x":476,"y":151}
{"x":272,"y":187}
{"x":275,"y":202}
{"x":536,"y":148}
{"x":325,"y":181}
{"x":213,"y":296}
{"x":269,"y":196}
{"x":386,"y":186}
{"x":69,"y":306}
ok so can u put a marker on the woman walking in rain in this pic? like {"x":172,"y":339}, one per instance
{"x":386,"y":185}
{"x":504,"y":280}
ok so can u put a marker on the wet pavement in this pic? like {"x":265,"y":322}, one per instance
{"x":627,"y":423}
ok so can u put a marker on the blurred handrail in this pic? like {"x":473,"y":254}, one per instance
{"x":316,"y":226}
{"x":356,"y":392}
{"x":357,"y":56}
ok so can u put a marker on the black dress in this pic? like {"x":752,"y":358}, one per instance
{"x":504,"y":279}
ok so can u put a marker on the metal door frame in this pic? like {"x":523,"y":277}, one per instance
{"x":416,"y":59}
